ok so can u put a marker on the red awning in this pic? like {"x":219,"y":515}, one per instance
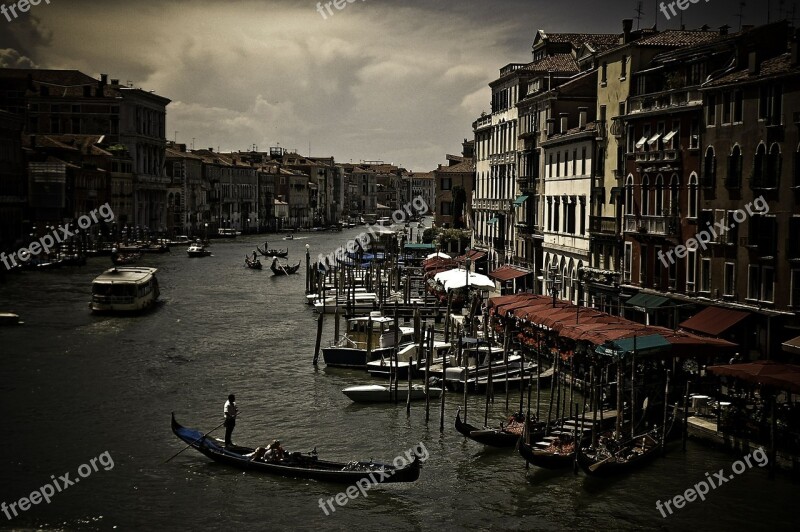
{"x":792,"y":346}
{"x":472,"y":254}
{"x":507,"y":273}
{"x":714,"y":320}
{"x":764,"y":372}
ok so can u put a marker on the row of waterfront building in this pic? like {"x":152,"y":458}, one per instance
{"x":69,"y":143}
{"x":609,"y":164}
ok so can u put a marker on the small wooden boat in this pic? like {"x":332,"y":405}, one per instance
{"x":610,"y":458}
{"x":295,"y":464}
{"x":197,"y":250}
{"x":277,"y":269}
{"x":253,"y":264}
{"x":558,"y":453}
{"x":505,"y":436}
{"x":125,"y":259}
{"x":375,"y":393}
{"x":73,"y":260}
{"x":273,"y":253}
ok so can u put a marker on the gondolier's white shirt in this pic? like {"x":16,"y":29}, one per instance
{"x":230,"y":410}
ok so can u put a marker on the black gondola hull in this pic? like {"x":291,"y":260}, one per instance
{"x":296,"y":465}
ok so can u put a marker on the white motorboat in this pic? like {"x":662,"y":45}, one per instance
{"x":375,"y":393}
{"x":197,"y":250}
{"x":360,"y":302}
{"x":125,"y":289}
{"x":359,"y":346}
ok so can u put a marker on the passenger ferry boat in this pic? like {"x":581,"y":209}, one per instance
{"x":127,"y":289}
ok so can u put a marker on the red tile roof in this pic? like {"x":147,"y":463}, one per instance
{"x":555,"y":63}
{"x":466,"y":167}
{"x":679,"y":38}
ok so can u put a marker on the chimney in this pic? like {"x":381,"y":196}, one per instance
{"x":103,"y":79}
{"x":551,"y":124}
{"x":627,"y":27}
{"x":753,"y":65}
{"x":115,"y":82}
{"x":564,"y":120}
{"x":583,"y":113}
{"x":211,"y":150}
{"x":723,"y":30}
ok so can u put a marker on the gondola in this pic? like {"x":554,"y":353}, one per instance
{"x":273,"y":253}
{"x":615,"y":459}
{"x":501,"y":437}
{"x":253,"y":264}
{"x":120,"y":259}
{"x":277,"y":269}
{"x":609,"y":458}
{"x":295,"y":464}
{"x":559,"y":455}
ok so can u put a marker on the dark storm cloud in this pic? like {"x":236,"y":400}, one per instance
{"x":400,"y":81}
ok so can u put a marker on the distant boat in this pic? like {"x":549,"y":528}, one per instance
{"x":125,"y":290}
{"x":375,"y":393}
{"x":197,"y":250}
{"x":253,"y":264}
{"x":227,"y":233}
{"x":7,"y":318}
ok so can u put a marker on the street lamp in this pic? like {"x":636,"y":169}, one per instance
{"x":554,"y":282}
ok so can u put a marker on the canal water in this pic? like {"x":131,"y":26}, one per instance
{"x":75,"y":386}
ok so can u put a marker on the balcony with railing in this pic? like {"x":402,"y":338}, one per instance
{"x":617,"y":126}
{"x":602,"y":225}
{"x":671,"y":99}
{"x":482,"y":122}
{"x":652,"y":225}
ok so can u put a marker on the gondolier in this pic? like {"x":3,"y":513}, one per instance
{"x":230,"y":411}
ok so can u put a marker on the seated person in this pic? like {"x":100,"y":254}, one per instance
{"x":258,"y":454}
{"x":275,"y":452}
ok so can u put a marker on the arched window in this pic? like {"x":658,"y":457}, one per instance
{"x":659,"y":211}
{"x":759,"y":167}
{"x":629,"y":195}
{"x":674,"y":195}
{"x":709,"y":179}
{"x":692,"y":196}
{"x":734,"y":179}
{"x":645,"y":195}
{"x":773,"y":177}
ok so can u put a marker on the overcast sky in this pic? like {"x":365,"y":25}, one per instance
{"x":398,"y":81}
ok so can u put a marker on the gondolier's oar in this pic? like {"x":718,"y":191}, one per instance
{"x":195,"y":441}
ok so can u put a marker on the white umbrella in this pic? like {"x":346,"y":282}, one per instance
{"x":439,"y":254}
{"x":453,"y":279}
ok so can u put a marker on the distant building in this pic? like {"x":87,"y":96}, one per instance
{"x":454,"y":185}
{"x":12,"y":180}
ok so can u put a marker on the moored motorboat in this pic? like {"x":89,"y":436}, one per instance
{"x":125,"y":290}
{"x":375,"y":393}
{"x":360,"y":344}
{"x":295,"y":464}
